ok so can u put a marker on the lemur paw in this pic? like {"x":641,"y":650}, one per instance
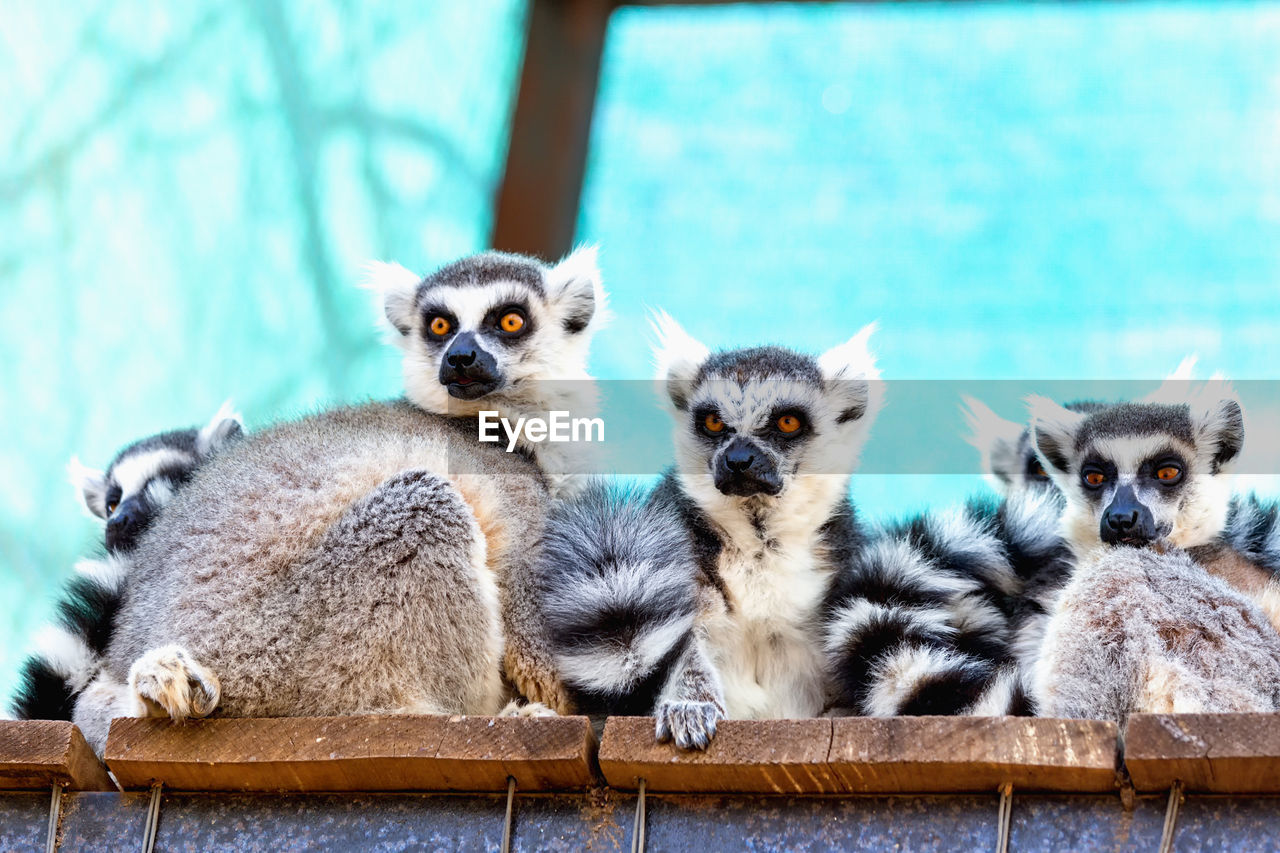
{"x":528,"y":709}
{"x":691,"y":725}
{"x":170,"y":683}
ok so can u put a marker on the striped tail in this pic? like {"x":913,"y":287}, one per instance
{"x":68,"y":653}
{"x":932,"y":616}
{"x":617,"y":579}
{"x":1252,"y":531}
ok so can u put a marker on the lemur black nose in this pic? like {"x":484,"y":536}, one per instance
{"x":125,"y":524}
{"x":461,"y":357}
{"x":1122,"y":521}
{"x":738,"y":459}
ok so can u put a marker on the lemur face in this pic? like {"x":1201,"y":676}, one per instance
{"x":144,"y":476}
{"x":488,"y":325}
{"x":1009,"y":457}
{"x":1141,"y":473}
{"x":752,"y":421}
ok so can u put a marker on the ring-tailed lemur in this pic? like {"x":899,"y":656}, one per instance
{"x":141,"y":479}
{"x":1009,"y":459}
{"x":369,"y":559}
{"x":1011,"y":465}
{"x":703,"y":600}
{"x":1152,"y":475}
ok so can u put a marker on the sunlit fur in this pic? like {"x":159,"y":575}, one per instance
{"x":691,"y":603}
{"x":941,"y":613}
{"x":1143,"y":631}
{"x":1181,"y":623}
{"x":365,"y":559}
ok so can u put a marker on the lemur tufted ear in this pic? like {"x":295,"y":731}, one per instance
{"x":850,"y":373}
{"x":1219,"y":425}
{"x":1176,"y":387}
{"x":226,"y":426}
{"x":995,"y":439}
{"x":576,"y":289}
{"x":91,"y":487}
{"x":677,"y":357}
{"x":395,"y":290}
{"x":1053,"y":433}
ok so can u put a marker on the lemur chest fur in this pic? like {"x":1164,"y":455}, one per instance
{"x":764,"y":638}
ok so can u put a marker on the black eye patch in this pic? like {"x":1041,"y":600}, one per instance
{"x":508,"y":320}
{"x":431,"y":314}
{"x":1034,"y":469}
{"x":1168,"y":469}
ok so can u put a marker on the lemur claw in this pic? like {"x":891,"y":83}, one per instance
{"x":170,"y":683}
{"x":691,"y":725}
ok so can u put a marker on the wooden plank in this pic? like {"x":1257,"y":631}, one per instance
{"x":954,"y":754}
{"x":546,"y":753}
{"x":749,"y":756}
{"x":1216,"y":753}
{"x":39,"y":753}
{"x":367,"y":753}
{"x":537,"y":209}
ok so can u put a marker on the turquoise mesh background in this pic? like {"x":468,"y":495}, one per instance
{"x":1035,"y":190}
{"x":188,"y":192}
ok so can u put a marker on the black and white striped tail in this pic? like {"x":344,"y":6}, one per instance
{"x":931,"y":618}
{"x":617,"y":580}
{"x":69,"y":651}
{"x":1253,"y":532}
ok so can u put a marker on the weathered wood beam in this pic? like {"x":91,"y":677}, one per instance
{"x":372,"y":753}
{"x":1213,"y":753}
{"x":41,"y":753}
{"x":868,"y":755}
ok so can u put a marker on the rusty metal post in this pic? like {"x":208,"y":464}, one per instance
{"x":537,"y":208}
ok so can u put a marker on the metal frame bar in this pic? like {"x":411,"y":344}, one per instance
{"x":537,"y":205}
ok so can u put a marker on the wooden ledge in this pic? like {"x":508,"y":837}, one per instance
{"x":367,"y":753}
{"x":1216,"y":753}
{"x":40,"y":753}
{"x":868,"y":755}
{"x":757,"y":756}
{"x":972,"y":754}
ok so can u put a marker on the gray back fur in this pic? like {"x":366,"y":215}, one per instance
{"x":1137,"y":630}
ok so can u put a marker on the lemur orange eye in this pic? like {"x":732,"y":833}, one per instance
{"x":1035,"y":469}
{"x":511,"y":322}
{"x":111,"y":507}
{"x":712,"y":423}
{"x":1094,"y":478}
{"x":789,"y":424}
{"x":1168,"y":473}
{"x":440,"y":326}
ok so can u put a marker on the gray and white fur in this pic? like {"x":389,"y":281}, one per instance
{"x":1153,"y":476}
{"x":930,"y":618}
{"x":703,"y":600}
{"x":1011,"y":465}
{"x":374,"y":558}
{"x":1139,"y":630}
{"x":126,"y":497}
